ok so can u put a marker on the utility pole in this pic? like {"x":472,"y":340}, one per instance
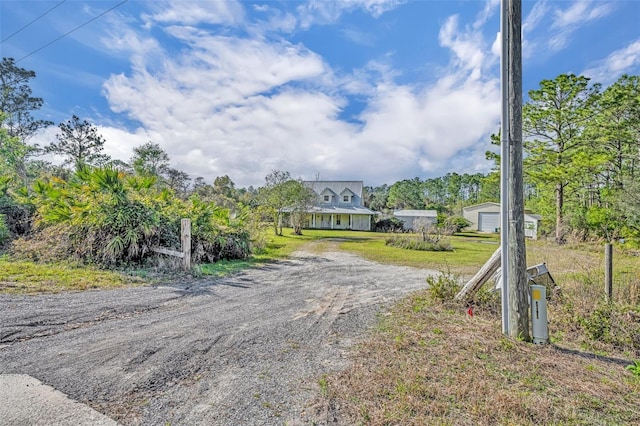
{"x":514,"y":279}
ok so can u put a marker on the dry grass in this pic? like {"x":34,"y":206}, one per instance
{"x":429,"y":363}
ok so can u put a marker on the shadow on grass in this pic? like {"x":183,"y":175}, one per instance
{"x":590,"y":355}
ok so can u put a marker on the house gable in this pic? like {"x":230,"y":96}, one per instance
{"x":327,"y":196}
{"x":346,"y":196}
{"x":340,"y":206}
{"x":337,"y":191}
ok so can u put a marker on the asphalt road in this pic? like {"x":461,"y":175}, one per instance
{"x":243,"y":350}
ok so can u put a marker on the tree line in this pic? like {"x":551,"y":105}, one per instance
{"x":582,"y":153}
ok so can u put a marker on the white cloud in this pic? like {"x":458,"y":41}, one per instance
{"x":228,"y":12}
{"x":245,"y":106}
{"x":323,"y":12}
{"x":487,"y":12}
{"x":579,"y":13}
{"x":550,"y":26}
{"x":467,"y":45}
{"x":622,"y":61}
{"x":359,"y":37}
{"x":537,"y":14}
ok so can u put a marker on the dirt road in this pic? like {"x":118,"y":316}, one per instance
{"x":244,"y":350}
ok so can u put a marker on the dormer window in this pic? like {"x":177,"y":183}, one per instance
{"x":345,"y":198}
{"x":326,"y":198}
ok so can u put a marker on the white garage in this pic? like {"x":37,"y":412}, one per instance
{"x":488,"y":222}
{"x":485,"y":217}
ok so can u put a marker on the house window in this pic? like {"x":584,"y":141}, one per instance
{"x":326,"y":198}
{"x":338,"y":220}
{"x":345,"y":198}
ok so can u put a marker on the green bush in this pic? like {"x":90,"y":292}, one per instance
{"x":4,"y":231}
{"x":597,"y":324}
{"x":112,"y":219}
{"x":455,"y":224}
{"x":392,"y":224}
{"x":443,"y":287}
{"x":410,"y":242}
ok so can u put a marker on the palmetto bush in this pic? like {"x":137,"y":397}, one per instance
{"x":102,"y":211}
{"x":112,"y":219}
{"x":216,"y":233}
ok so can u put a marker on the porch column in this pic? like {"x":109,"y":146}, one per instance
{"x":331,"y":220}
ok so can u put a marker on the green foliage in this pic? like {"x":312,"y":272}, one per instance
{"x":392,"y":224}
{"x":634,"y":368}
{"x":215,"y":234}
{"x":15,"y":208}
{"x":410,"y":242}
{"x":406,"y":194}
{"x":150,"y":159}
{"x":597,"y":325}
{"x":282,"y":195}
{"x":111,"y":219}
{"x":455,"y":224}
{"x":79,"y":143}
{"x":443,"y":287}
{"x":4,"y":231}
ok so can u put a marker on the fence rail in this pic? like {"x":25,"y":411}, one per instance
{"x":185,"y":242}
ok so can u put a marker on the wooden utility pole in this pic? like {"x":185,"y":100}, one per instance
{"x":516,"y":265}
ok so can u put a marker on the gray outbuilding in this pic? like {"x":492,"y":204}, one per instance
{"x":408,"y":217}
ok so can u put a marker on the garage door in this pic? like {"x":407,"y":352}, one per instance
{"x":488,"y":222}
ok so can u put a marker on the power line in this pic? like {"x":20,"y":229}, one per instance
{"x":16,"y":32}
{"x":72,"y":31}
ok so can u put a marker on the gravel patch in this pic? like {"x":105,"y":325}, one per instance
{"x":249,"y":349}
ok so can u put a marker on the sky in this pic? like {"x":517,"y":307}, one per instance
{"x":371,"y":90}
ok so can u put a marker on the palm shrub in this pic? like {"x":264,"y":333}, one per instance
{"x":107,"y":222}
{"x":15,"y":207}
{"x":110,"y":218}
{"x":216,"y":233}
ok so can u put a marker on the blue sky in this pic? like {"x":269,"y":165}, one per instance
{"x":372,"y":90}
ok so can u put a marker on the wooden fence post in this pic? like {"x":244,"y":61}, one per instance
{"x":608,"y":272}
{"x":185,"y":239}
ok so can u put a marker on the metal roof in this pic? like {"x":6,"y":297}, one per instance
{"x":416,"y":213}
{"x":337,"y":186}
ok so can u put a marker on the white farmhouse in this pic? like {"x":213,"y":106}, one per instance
{"x":340,"y":206}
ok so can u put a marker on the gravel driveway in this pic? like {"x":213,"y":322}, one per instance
{"x":243,"y":350}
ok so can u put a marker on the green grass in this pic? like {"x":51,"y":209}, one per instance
{"x":468,"y":254}
{"x":29,"y":277}
{"x":470,"y":251}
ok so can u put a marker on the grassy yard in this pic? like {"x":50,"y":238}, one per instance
{"x":23,"y":277}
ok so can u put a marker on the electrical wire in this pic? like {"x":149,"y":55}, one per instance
{"x":25,"y":26}
{"x":72,"y":31}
